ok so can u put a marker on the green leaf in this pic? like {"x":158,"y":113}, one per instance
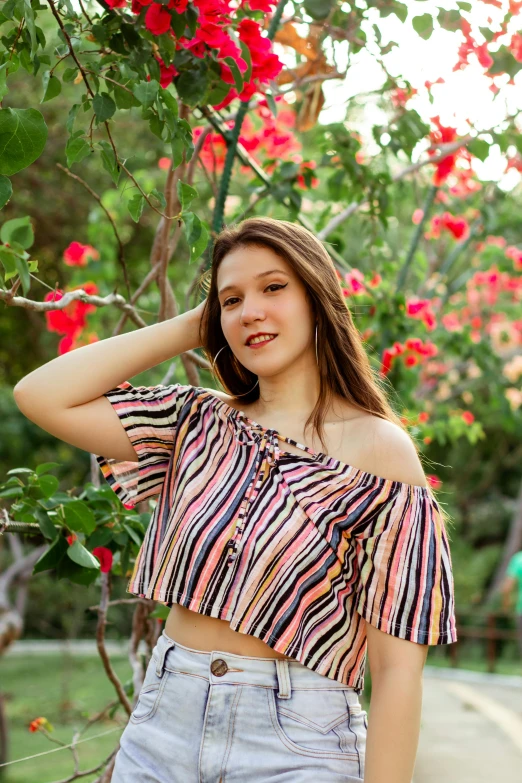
{"x":23,"y":134}
{"x":80,"y":555}
{"x":155,"y":194}
{"x":6,"y":190}
{"x":236,"y":73}
{"x":318,"y":9}
{"x":449,"y":20}
{"x":52,"y":87}
{"x":52,"y":557}
{"x":399,"y":9}
{"x":103,"y":106}
{"x":45,"y":466}
{"x":170,"y":102}
{"x":186,"y":193}
{"x":479,"y":148}
{"x":132,"y":533}
{"x":23,"y":272}
{"x":79,"y":517}
{"x":423,"y":25}
{"x":70,"y":74}
{"x":76,"y":149}
{"x":192,"y":85}
{"x":464,"y":6}
{"x":146,"y":92}
{"x":271,"y":103}
{"x":247,"y":57}
{"x":135,"y":206}
{"x":19,"y":231}
{"x":47,"y":485}
{"x":109,"y":161}
{"x":197,"y":234}
{"x":178,"y":148}
{"x":45,"y":524}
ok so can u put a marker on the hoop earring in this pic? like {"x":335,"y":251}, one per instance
{"x":213,"y":362}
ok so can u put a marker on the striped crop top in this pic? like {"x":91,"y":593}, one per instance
{"x":299,"y":550}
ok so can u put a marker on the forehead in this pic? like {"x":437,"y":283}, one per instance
{"x":248,"y":264}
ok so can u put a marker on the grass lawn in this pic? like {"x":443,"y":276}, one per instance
{"x":66,"y":690}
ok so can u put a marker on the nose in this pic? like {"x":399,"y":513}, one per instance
{"x":251,"y":312}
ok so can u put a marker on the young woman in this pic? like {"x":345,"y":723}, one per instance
{"x":294,"y":531}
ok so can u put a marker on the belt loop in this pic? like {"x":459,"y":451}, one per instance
{"x":283,"y":678}
{"x":162,"y":648}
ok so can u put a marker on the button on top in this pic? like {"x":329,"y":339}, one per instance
{"x":219,"y":667}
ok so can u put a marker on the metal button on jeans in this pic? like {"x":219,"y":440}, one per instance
{"x":219,"y":667}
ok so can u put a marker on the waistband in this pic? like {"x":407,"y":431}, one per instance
{"x":224,"y":668}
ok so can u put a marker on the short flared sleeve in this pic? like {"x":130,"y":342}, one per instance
{"x":406,"y":584}
{"x":149,"y":415}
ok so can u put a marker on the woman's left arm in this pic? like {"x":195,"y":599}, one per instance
{"x":395,"y":707}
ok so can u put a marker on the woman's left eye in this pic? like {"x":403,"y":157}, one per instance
{"x":277,"y":285}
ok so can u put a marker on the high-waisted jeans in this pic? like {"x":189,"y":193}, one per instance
{"x":217,"y":717}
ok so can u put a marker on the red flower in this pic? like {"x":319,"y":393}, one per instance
{"x":260,"y":5}
{"x":71,"y":539}
{"x":421,"y":309}
{"x":104,"y":555}
{"x":433,"y":481}
{"x":138,"y":5}
{"x":468,"y":417}
{"x":442,"y":135}
{"x":457,"y":226}
{"x":116,"y":3}
{"x":36,"y":723}
{"x":77,"y":254}
{"x":167,"y":73}
{"x":179,"y":6}
{"x":157,"y":19}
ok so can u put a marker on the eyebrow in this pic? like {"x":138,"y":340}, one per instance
{"x":256,"y":277}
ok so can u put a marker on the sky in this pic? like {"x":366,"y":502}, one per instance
{"x":465,"y":94}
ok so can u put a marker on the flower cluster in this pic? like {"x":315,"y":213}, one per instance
{"x":445,"y":135}
{"x":413,"y":352}
{"x":421,"y":309}
{"x":216,"y":19}
{"x":457,"y":226}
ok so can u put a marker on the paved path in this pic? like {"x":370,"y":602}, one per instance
{"x":471,"y":728}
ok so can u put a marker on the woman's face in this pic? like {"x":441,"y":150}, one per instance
{"x":260,"y":293}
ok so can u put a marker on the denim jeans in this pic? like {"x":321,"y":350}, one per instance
{"x":217,"y":717}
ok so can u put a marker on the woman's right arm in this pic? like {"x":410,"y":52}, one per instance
{"x":65,"y":396}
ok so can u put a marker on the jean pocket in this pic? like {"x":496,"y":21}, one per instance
{"x":317,"y":723}
{"x":150,"y":694}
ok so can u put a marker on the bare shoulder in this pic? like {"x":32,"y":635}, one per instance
{"x":388,"y":450}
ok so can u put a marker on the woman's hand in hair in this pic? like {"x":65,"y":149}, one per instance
{"x":196,"y":314}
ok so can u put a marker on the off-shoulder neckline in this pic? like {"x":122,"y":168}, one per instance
{"x":312,"y":455}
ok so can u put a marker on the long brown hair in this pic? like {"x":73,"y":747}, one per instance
{"x":344,"y":366}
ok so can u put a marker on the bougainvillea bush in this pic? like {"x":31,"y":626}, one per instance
{"x":169,"y":120}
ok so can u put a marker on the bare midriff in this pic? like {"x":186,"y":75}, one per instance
{"x":201,"y":632}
